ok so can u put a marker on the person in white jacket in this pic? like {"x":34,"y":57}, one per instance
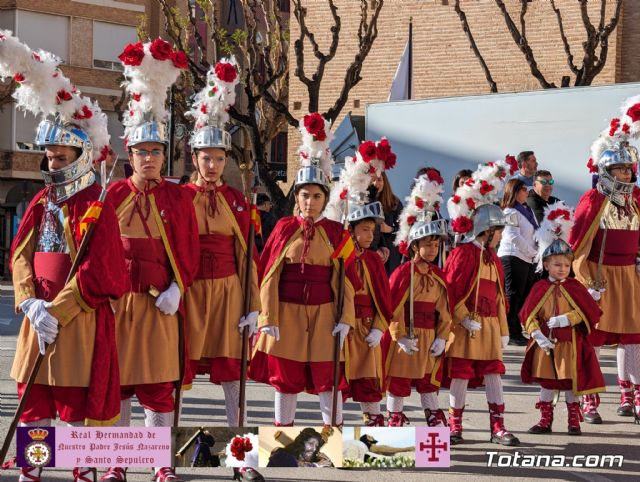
{"x":517,"y":253}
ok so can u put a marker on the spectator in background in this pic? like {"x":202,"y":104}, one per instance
{"x":460,"y":178}
{"x":380,"y":190}
{"x":267,"y":220}
{"x":184,"y":179}
{"x":517,"y":253}
{"x":528,"y":165}
{"x":540,"y":196}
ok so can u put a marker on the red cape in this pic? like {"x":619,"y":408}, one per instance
{"x":379,"y":282}
{"x":460,"y":270}
{"x":586,"y":212}
{"x":400,"y":280}
{"x":101,"y":276}
{"x":588,"y":377}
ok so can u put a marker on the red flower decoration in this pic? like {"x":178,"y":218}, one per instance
{"x":411,"y":220}
{"x":634,"y":112}
{"x":368,"y":151}
{"x":372,"y":170}
{"x":390,"y":161}
{"x":103,"y":154}
{"x":226,"y":72}
{"x":403,"y":247}
{"x":485,"y":187}
{"x":314,"y":124}
{"x":85,"y":113}
{"x":383,"y":152}
{"x":436,"y":206}
{"x":419,"y":203}
{"x":179,"y":59}
{"x":625,"y":128}
{"x":513,"y":163}
{"x":160,"y":49}
{"x":132,"y":54}
{"x":203,"y":108}
{"x":343,"y":194}
{"x":559,"y":213}
{"x":462,"y":224}
{"x":433,"y":175}
{"x":469,"y":182}
{"x":36,"y":57}
{"x":2,"y":37}
{"x":613,"y":126}
{"x":18,"y":77}
{"x":62,"y":95}
{"x":593,"y":167}
{"x":456,"y":199}
{"x":240,"y":446}
{"x":471,"y":204}
{"x":136,"y":97}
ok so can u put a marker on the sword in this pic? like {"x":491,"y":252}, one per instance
{"x":599,"y":283}
{"x":474,"y":314}
{"x":411,"y":309}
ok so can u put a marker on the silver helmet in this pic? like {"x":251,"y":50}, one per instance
{"x":557,"y":247}
{"x":211,"y":136}
{"x":426,"y":225}
{"x":489,"y":216}
{"x":150,"y":131}
{"x":360,"y":209}
{"x":312,"y":175}
{"x":76,"y":176}
{"x":620,"y":153}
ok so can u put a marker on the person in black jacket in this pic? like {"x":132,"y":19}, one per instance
{"x":380,"y":190}
{"x":267,"y":220}
{"x":540,"y":196}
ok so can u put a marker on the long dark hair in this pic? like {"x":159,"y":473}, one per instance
{"x":459,"y":175}
{"x":386,"y":197}
{"x":510,"y":193}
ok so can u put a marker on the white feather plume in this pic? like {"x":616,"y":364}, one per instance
{"x":250,"y":458}
{"x":557,"y":222}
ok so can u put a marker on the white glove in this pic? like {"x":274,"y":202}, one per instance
{"x":408,"y":345}
{"x":542,"y":341}
{"x":471,"y":325}
{"x":43,"y":323}
{"x":637,"y":265}
{"x":342,"y":329}
{"x":437,"y":347}
{"x":504,"y":341}
{"x":373,"y":338}
{"x":169,"y":300}
{"x":251,"y":320}
{"x":559,"y":321}
{"x":270,"y":330}
{"x":596,"y":294}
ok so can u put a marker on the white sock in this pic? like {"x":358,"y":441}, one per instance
{"x":44,"y":422}
{"x":429,"y":401}
{"x":570,"y":397}
{"x":326,"y":401}
{"x":285,"y":407}
{"x":621,"y":363}
{"x":232,"y":402}
{"x":546,"y":395}
{"x":458,"y":392}
{"x":493,"y":388}
{"x":597,"y":350}
{"x":157,"y":419}
{"x":125,"y":414}
{"x":394,"y":404}
{"x":372,"y":408}
{"x":632,"y":362}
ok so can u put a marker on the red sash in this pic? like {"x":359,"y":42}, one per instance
{"x":147,"y":264}
{"x":364,"y":306}
{"x":620,"y":249}
{"x":50,"y":273}
{"x":424,"y":314}
{"x":217,"y":256}
{"x":487,"y":299}
{"x":311,"y":288}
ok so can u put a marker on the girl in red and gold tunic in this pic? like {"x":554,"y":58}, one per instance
{"x":559,"y":314}
{"x":299,"y":291}
{"x":215,"y":301}
{"x":476,"y":279}
{"x":421,"y":319}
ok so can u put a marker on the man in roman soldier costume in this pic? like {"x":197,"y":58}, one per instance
{"x":421,"y":322}
{"x":349,"y":198}
{"x":299,"y":290}
{"x":605,"y":239}
{"x":559,"y":314}
{"x":160,"y":239}
{"x":70,"y":324}
{"x":475,"y":279}
{"x":214,"y":303}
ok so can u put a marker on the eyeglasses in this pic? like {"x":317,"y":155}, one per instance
{"x":628,"y":169}
{"x":544,"y":182}
{"x":142,"y":153}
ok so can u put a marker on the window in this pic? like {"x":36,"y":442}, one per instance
{"x":285,"y":5}
{"x":46,"y":32}
{"x":26,"y":126}
{"x":108,"y":42}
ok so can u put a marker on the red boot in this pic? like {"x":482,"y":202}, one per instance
{"x":455,"y":425}
{"x":499,"y":434}
{"x":115,"y":474}
{"x":626,"y":398}
{"x":31,"y":474}
{"x":435,"y":418}
{"x":590,"y":404}
{"x":636,"y":405}
{"x":82,"y":474}
{"x":546,"y":418}
{"x":371,"y":420}
{"x":574,"y":418}
{"x":397,"y":419}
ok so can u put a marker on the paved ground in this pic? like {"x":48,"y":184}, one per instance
{"x":203,"y":406}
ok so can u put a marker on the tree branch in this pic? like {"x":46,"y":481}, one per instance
{"x":604,"y":34}
{"x":565,"y":41}
{"x":493,"y":87}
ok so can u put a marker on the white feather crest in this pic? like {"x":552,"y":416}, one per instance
{"x":250,"y":458}
{"x":147,"y":85}
{"x":425,"y":198}
{"x":44,"y":90}
{"x":557,"y":222}
{"x":211,"y":104}
{"x":315,"y":144}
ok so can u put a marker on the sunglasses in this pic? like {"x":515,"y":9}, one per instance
{"x":545,"y":182}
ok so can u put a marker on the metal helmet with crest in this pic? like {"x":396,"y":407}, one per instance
{"x":553,"y":232}
{"x":472,"y":208}
{"x":350,"y":196}
{"x":69,"y":119}
{"x":419,"y":218}
{"x":315,"y":154}
{"x":150,"y":69}
{"x":211,"y":105}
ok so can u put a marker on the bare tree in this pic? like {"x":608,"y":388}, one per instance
{"x":595,"y":48}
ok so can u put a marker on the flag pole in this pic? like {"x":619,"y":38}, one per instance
{"x":410,"y":68}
